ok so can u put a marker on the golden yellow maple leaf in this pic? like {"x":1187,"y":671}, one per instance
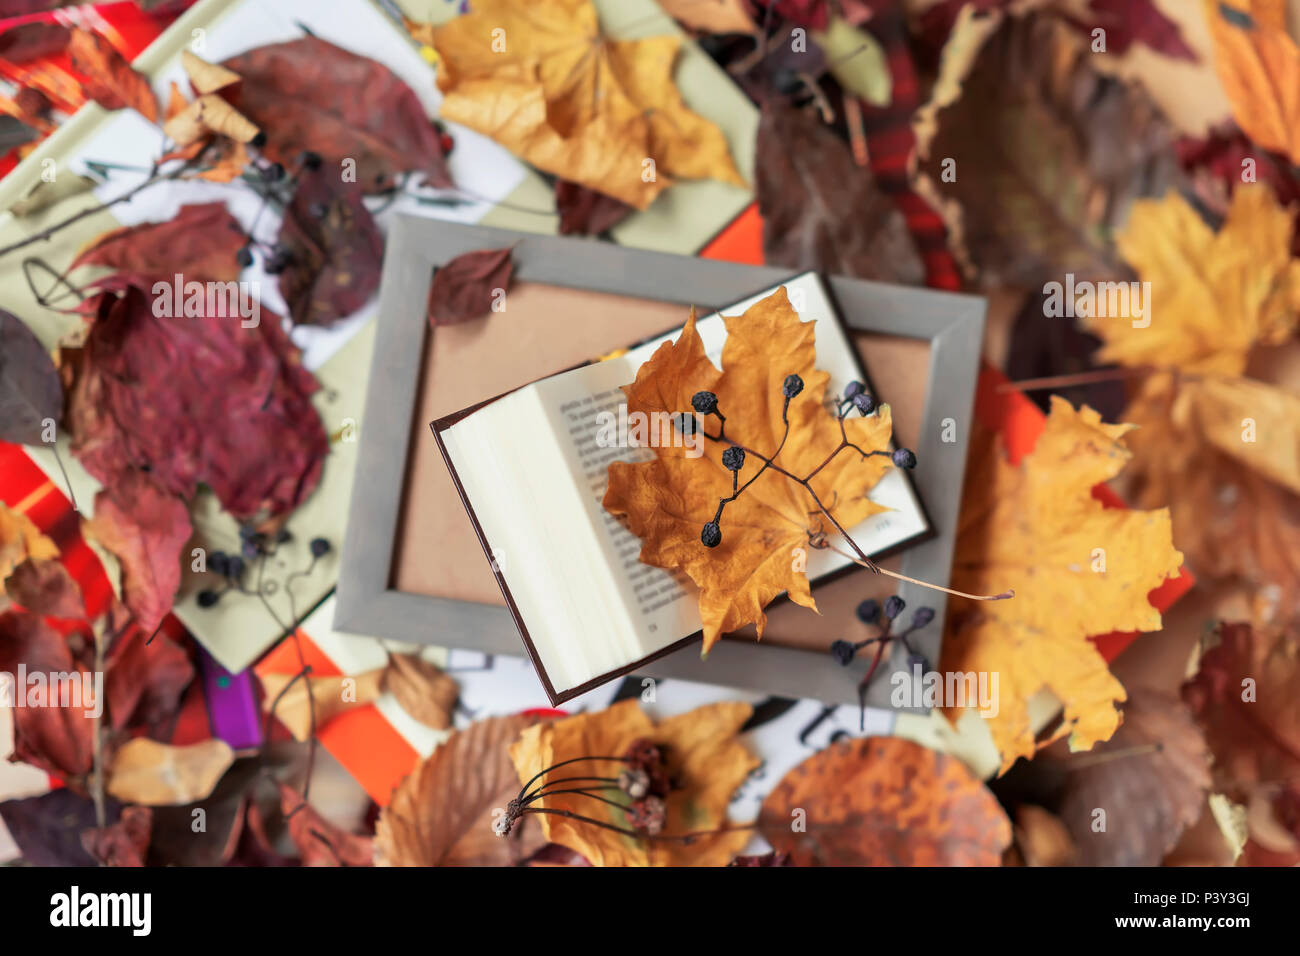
{"x":1213,"y":296}
{"x":20,"y":539}
{"x":667,"y":501}
{"x":1259,"y":66}
{"x":539,"y":77}
{"x":704,"y":759}
{"x":1077,"y":568}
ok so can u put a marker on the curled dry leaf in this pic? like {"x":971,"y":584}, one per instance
{"x":110,"y":79}
{"x":56,"y":739}
{"x":443,"y":813}
{"x":1077,"y":568}
{"x":1214,"y":295}
{"x":45,"y":587}
{"x":1259,"y":65}
{"x":1049,"y":154}
{"x":469,"y":286}
{"x":30,"y":391}
{"x":332,"y":696}
{"x":820,"y":209}
{"x":704,"y":759}
{"x":1243,"y":695}
{"x":145,"y":528}
{"x":124,"y":843}
{"x":240,"y":420}
{"x":666,"y":501}
{"x":206,"y":77}
{"x":574,"y":103}
{"x":307,"y":94}
{"x":206,"y":115}
{"x":21,"y":540}
{"x":1151,"y":779}
{"x":320,"y":842}
{"x":201,"y":242}
{"x":151,"y":774}
{"x":424,"y":690}
{"x":335,"y":250}
{"x":884,"y":801}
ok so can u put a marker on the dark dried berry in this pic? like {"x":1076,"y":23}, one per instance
{"x":843,"y":652}
{"x":855,"y":388}
{"x":219,"y":563}
{"x":894,"y":606}
{"x":235,"y":567}
{"x":922,"y":617}
{"x":309,"y":159}
{"x":711,"y":535}
{"x":258,"y":141}
{"x":792,"y":386}
{"x":733,"y":459}
{"x":915,"y":661}
{"x":904,"y":458}
{"x":869,"y":611}
{"x":319,"y":547}
{"x":244,"y":256}
{"x":706,"y":403}
{"x":273,"y":173}
{"x":208,"y":598}
{"x":864,"y":403}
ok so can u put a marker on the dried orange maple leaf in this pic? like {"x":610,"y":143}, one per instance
{"x":539,"y":77}
{"x":704,"y":760}
{"x":1077,"y":568}
{"x":666,"y":501}
{"x":1213,"y":295}
{"x":1259,"y":65}
{"x":884,"y":801}
{"x":111,"y":81}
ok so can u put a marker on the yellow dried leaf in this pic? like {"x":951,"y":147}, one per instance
{"x":539,"y":77}
{"x":151,"y":774}
{"x":424,"y":690}
{"x":332,"y":696}
{"x":20,"y":539}
{"x":704,"y":759}
{"x":1077,"y":567}
{"x":667,"y":501}
{"x":1213,"y":296}
{"x":209,"y":114}
{"x":206,"y":77}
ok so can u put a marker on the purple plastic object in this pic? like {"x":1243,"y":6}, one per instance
{"x":232,"y":704}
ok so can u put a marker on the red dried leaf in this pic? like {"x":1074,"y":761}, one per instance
{"x":1135,"y":21}
{"x":45,"y":587}
{"x":320,"y":842}
{"x":145,"y":527}
{"x":30,"y":391}
{"x":308,"y":94}
{"x":56,"y":739}
{"x":144,"y":680}
{"x":33,"y":105}
{"x":335,"y":248}
{"x":31,"y":41}
{"x":466,"y":287}
{"x":109,"y":79}
{"x":124,"y":843}
{"x":239,"y":419}
{"x":584,"y":211}
{"x":200,"y":243}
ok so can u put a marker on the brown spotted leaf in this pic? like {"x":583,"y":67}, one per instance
{"x":884,"y":801}
{"x":335,"y":251}
{"x":45,"y":587}
{"x":468,"y":286}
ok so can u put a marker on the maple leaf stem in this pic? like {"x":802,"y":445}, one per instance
{"x":1005,"y":595}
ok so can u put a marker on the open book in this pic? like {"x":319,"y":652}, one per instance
{"x":531,"y":467}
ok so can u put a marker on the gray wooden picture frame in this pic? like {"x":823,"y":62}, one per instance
{"x":368,"y":604}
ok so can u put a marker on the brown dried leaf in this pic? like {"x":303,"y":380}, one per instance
{"x":45,"y":587}
{"x":1042,"y":839}
{"x":320,"y":842}
{"x":884,"y":801}
{"x":586,"y":212}
{"x":468,"y":286}
{"x":206,"y":77}
{"x":124,"y":843}
{"x":443,"y":813}
{"x":423,"y":689}
{"x":110,"y":79}
{"x":209,"y":114}
{"x":199,"y":243}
